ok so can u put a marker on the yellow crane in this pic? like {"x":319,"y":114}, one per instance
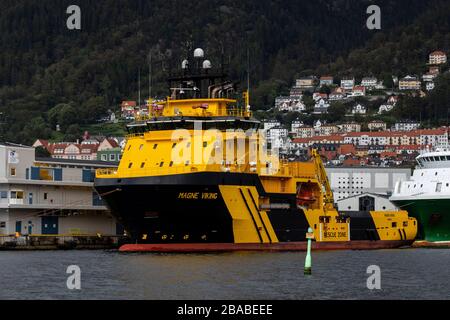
{"x":323,"y":180}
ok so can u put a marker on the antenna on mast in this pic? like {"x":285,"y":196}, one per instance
{"x":247,"y":93}
{"x":150,"y":75}
{"x":139,"y":86}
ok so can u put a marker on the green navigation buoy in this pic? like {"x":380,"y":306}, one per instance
{"x":309,"y":236}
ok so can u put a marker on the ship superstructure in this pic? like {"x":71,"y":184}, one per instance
{"x":426,"y":196}
{"x":196,"y":175}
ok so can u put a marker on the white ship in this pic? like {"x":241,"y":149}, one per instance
{"x":426,"y":196}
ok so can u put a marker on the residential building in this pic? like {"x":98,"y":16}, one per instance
{"x":127,"y":109}
{"x":359,"y":91}
{"x":304,"y":132}
{"x":306,"y":82}
{"x":276,"y":137}
{"x":321,"y":107}
{"x":337,"y":95}
{"x":429,"y":77}
{"x":268,"y":124}
{"x":437,"y":57}
{"x":407,"y":125}
{"x":348,"y":83}
{"x":385,"y":108}
{"x":47,"y":196}
{"x":409,"y":83}
{"x":326,"y":130}
{"x":326,"y":81}
{"x":359,"y":109}
{"x":290,"y":104}
{"x":350,"y":127}
{"x":369,"y":82}
{"x":377,"y":125}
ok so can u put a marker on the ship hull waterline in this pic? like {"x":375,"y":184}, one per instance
{"x":158,"y":219}
{"x":433,"y":216}
{"x":267,"y":247}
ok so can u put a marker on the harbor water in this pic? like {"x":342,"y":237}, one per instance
{"x":405,"y":274}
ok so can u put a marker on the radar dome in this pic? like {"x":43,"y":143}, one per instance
{"x":199,"y":53}
{"x":206,"y":64}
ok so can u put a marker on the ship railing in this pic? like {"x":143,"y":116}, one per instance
{"x":106,"y":172}
{"x":134,"y":135}
{"x":238,"y":112}
{"x":241,"y":168}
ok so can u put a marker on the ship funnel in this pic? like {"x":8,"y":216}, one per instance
{"x":199,"y":53}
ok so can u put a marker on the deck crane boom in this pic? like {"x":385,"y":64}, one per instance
{"x":323,"y":179}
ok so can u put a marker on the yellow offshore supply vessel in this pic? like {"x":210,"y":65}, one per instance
{"x":196,"y":175}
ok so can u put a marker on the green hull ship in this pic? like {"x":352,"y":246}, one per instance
{"x":426,"y":196}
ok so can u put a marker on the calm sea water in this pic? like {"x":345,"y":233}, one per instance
{"x":405,"y":274}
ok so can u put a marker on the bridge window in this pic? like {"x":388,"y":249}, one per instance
{"x":142,"y":164}
{"x":130,"y":165}
{"x":161,"y":164}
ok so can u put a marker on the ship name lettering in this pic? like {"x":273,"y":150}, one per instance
{"x":188,"y":195}
{"x":209,"y":195}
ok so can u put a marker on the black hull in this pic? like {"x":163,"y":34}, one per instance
{"x":151,"y":210}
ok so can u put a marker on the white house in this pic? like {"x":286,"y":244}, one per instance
{"x":385,"y":108}
{"x":406,"y":125}
{"x":326,"y":80}
{"x":369,"y":82}
{"x":347,"y":83}
{"x":430,"y":86}
{"x":359,"y":109}
{"x":321,"y":107}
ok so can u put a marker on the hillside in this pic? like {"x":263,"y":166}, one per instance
{"x":51,"y":75}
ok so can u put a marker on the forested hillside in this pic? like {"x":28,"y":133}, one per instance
{"x":49,"y":74}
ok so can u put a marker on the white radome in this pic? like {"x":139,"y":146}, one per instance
{"x":199,"y":53}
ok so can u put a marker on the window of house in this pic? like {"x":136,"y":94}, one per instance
{"x":3,"y":194}
{"x":2,"y":224}
{"x":16,"y":194}
{"x":13,"y":171}
{"x":45,"y":195}
{"x":104,"y":157}
{"x":112,"y":157}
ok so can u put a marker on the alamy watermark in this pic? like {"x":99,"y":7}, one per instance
{"x":74,"y":280}
{"x":374,"y":280}
{"x":374,"y":20}
{"x":74,"y":20}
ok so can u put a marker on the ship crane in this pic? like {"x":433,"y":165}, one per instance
{"x":323,"y":180}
